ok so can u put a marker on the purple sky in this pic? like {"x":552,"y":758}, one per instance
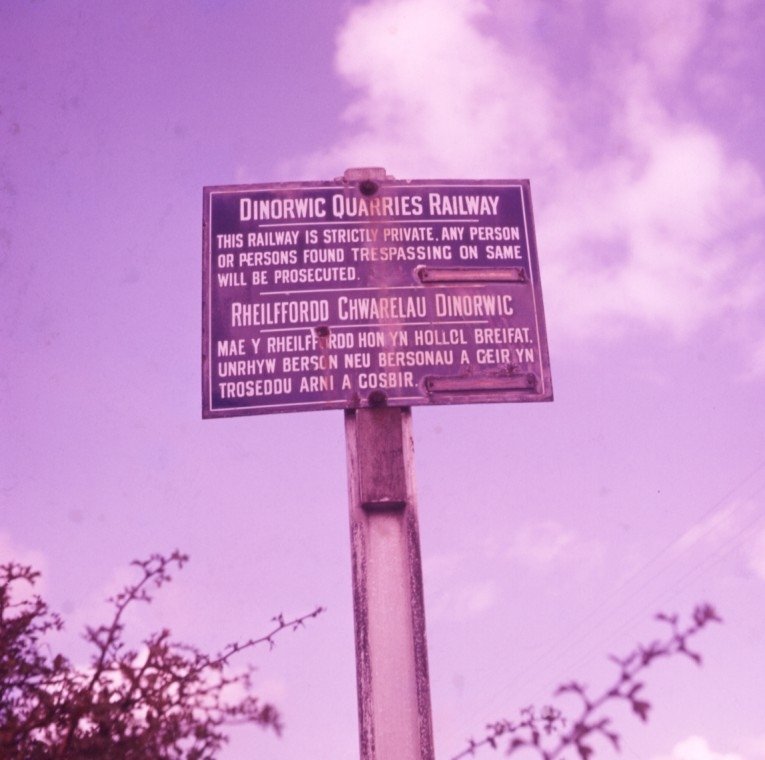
{"x":551,"y":533}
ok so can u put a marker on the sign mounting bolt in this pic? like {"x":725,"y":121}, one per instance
{"x":368,"y":187}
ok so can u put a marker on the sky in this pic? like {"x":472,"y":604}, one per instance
{"x":551,"y":533}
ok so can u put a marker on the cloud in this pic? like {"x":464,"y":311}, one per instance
{"x":540,"y":543}
{"x":732,"y":524}
{"x":453,"y":596}
{"x":426,"y":76}
{"x":464,"y":600}
{"x":666,"y":33}
{"x":441,"y":568}
{"x":715,"y":528}
{"x":655,"y":230}
{"x":645,"y":214}
{"x":756,"y":365}
{"x":697,"y":748}
{"x":10,"y":551}
{"x":472,"y":599}
{"x":756,"y":554}
{"x":754,"y":747}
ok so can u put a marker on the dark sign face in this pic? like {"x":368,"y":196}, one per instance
{"x":338,"y":295}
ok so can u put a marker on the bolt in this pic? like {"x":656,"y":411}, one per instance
{"x":368,"y":187}
{"x":377,"y":398}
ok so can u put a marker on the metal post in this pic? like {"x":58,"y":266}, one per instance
{"x":389,"y":615}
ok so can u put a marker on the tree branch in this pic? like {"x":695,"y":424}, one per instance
{"x":549,"y":733}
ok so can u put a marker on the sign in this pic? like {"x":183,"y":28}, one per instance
{"x":347,"y":294}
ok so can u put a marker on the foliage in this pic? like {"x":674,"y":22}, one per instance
{"x":549,"y":733}
{"x":170,"y":701}
{"x":166,"y":700}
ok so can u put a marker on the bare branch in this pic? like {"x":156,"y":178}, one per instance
{"x":550,"y":733}
{"x":164,"y":700}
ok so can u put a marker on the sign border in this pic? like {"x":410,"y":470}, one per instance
{"x":545,"y":392}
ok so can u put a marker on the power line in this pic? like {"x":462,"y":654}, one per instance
{"x":557,"y":651}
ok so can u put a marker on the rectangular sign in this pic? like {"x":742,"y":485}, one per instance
{"x":347,"y":294}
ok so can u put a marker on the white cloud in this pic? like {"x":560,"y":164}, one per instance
{"x":756,"y":554}
{"x":464,"y":600}
{"x":453,"y":596}
{"x":540,"y":543}
{"x":667,"y":33}
{"x":756,"y":360}
{"x":713,"y":529}
{"x":11,"y":551}
{"x":441,"y":568}
{"x":644,"y":214}
{"x":655,"y":232}
{"x":733,"y":522}
{"x":269,"y":690}
{"x":754,"y":747}
{"x":436,"y":96}
{"x":697,"y":748}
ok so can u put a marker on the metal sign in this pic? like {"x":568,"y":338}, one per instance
{"x":348,"y":294}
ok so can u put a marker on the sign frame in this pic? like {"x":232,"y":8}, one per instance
{"x":498,"y":382}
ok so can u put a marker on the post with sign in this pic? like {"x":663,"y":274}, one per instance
{"x":374,"y":295}
{"x":389,"y":613}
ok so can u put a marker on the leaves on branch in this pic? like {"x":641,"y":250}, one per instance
{"x":549,"y":733}
{"x":168,"y":701}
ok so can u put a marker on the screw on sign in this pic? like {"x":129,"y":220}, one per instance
{"x":373,"y":295}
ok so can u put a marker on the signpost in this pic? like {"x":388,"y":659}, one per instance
{"x":374,"y":295}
